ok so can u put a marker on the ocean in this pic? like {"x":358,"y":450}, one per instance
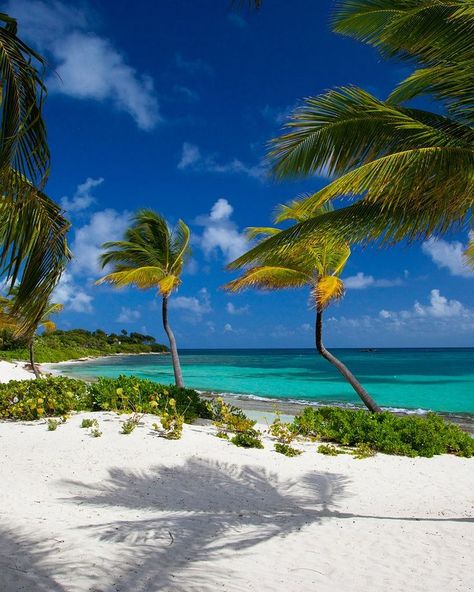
{"x":412,"y":379}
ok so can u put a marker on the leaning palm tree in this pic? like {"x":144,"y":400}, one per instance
{"x":317,"y":264}
{"x":150,"y":256}
{"x":33,"y":246}
{"x":410,"y":172}
{"x":10,"y":321}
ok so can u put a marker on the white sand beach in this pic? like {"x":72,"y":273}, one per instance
{"x":14,"y":371}
{"x":139,"y":513}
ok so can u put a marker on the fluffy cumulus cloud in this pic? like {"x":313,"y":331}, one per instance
{"x":221,"y":234}
{"x":192,"y":158}
{"x":83,"y":197}
{"x":360,"y":281}
{"x":105,"y":225}
{"x":194,"y":307}
{"x":448,"y":255}
{"x":73,"y":297}
{"x":87,"y":65}
{"x":128,"y":315}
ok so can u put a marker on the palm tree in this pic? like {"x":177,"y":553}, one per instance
{"x":9,"y":320}
{"x":150,"y":256}
{"x":33,"y":231}
{"x":316,"y":264}
{"x":410,"y":171}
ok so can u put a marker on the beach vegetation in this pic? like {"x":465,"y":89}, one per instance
{"x":53,"y":424}
{"x":407,"y":435}
{"x":58,"y":345}
{"x":248,"y":439}
{"x":95,"y":432}
{"x":129,"y":425}
{"x":129,"y":393}
{"x":330,"y":450}
{"x":287,"y":450}
{"x":317,"y":264}
{"x":171,"y":421}
{"x":151,"y":256}
{"x":43,"y":397}
{"x":88,"y":422}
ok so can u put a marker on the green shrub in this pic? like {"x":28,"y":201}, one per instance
{"x":287,"y":450}
{"x":330,"y":450}
{"x":172,"y":422}
{"x":89,"y":423}
{"x":248,"y":439}
{"x":53,"y":424}
{"x":43,"y":397}
{"x":130,"y":424}
{"x":95,"y":433}
{"x":385,"y":432}
{"x":285,"y":433}
{"x":128,"y":393}
{"x":363,"y":451}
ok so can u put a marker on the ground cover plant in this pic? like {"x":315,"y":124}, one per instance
{"x":229,"y":420}
{"x":408,"y":435}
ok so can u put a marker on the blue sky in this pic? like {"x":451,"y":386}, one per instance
{"x":169,"y":105}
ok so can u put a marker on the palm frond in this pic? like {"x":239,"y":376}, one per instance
{"x":253,"y":232}
{"x":470,"y":252}
{"x":143,"y":278}
{"x":327,"y":289}
{"x":269,"y":278}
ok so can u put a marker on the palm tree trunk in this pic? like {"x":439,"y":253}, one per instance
{"x":32,"y":359}
{"x":343,"y":369}
{"x":178,"y":376}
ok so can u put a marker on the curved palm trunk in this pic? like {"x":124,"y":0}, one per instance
{"x":343,"y":369}
{"x":32,"y":359}
{"x":178,"y":376}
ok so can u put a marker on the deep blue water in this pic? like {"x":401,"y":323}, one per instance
{"x":437,"y":379}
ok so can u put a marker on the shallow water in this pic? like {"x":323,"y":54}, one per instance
{"x":437,"y":379}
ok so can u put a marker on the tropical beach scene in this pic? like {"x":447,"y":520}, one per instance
{"x":236,"y":296}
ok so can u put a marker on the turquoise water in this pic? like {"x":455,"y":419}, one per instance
{"x":437,"y":379}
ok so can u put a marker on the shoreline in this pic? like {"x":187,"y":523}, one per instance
{"x":263,"y":408}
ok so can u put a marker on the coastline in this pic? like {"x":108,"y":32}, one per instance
{"x":262,"y":409}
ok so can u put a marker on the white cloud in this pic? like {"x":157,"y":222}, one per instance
{"x":87,"y":66}
{"x":360,"y":281}
{"x":228,"y":328}
{"x":72,"y":296}
{"x":448,"y":255}
{"x":105,"y":225}
{"x":193,"y":159}
{"x":234,"y":310}
{"x":440,"y":307}
{"x":128,"y":315}
{"x":306,"y":327}
{"x":195,"y":307}
{"x":83,"y":197}
{"x":220,"y":233}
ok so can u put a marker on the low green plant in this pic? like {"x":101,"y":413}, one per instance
{"x":89,"y":423}
{"x":44,"y":397}
{"x":248,"y":439}
{"x":407,"y":435}
{"x":330,"y":450}
{"x":53,"y":424}
{"x":172,"y":422}
{"x":287,"y":450}
{"x":129,"y":393}
{"x":363,"y":451}
{"x":130,"y":424}
{"x":223,"y":435}
{"x":95,"y":432}
{"x":285,"y":433}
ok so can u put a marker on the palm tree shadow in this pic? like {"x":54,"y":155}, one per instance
{"x":200,"y":512}
{"x":29,"y":564}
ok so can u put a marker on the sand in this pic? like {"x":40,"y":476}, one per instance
{"x":14,"y":371}
{"x":140,"y":513}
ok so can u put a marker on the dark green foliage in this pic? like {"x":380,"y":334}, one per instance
{"x":247,"y":439}
{"x":89,"y":423}
{"x":128,"y":393}
{"x":58,"y":346}
{"x":408,"y":435}
{"x":286,"y":449}
{"x":53,"y":396}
